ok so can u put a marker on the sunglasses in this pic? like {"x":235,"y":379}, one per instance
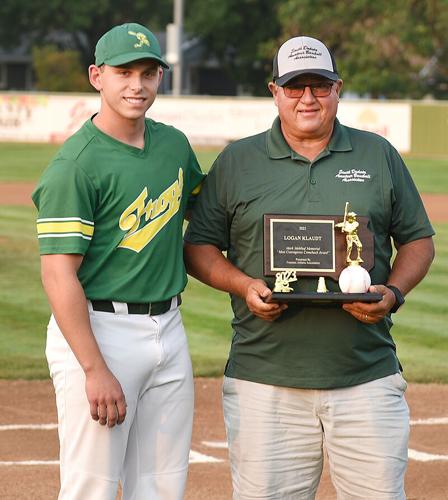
{"x":320,"y":89}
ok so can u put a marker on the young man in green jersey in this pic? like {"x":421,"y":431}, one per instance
{"x":301,"y":375}
{"x":111,"y":207}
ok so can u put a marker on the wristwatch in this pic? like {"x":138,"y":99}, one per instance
{"x":399,"y":299}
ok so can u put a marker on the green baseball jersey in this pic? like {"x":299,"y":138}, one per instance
{"x":308,"y":346}
{"x":122,"y":208}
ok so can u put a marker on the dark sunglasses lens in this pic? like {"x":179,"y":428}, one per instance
{"x":322,"y":90}
{"x":294,"y":91}
{"x":318,"y":90}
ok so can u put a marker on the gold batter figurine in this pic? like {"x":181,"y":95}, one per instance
{"x":282,"y":281}
{"x":354,"y":278}
{"x":350,"y":226}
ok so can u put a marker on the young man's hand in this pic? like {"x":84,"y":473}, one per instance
{"x":106,"y":398}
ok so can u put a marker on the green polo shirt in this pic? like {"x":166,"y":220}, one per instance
{"x":308,"y":346}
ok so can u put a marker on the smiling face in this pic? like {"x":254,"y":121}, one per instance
{"x":127,"y":91}
{"x":307,"y":117}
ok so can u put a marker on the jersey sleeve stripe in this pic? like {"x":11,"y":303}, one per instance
{"x":65,"y":235}
{"x":66,"y":219}
{"x":45,"y":228}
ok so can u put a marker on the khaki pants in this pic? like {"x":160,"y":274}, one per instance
{"x":276,"y":437}
{"x":149,"y":451}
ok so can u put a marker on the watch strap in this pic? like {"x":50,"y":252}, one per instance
{"x":399,"y":299}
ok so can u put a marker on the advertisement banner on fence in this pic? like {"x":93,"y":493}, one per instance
{"x":37,"y":117}
{"x":392,"y":120}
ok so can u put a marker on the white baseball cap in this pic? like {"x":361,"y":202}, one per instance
{"x":303,"y":55}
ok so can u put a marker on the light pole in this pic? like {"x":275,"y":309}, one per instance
{"x":174,"y":45}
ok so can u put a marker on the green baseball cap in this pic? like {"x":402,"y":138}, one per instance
{"x":126,"y":43}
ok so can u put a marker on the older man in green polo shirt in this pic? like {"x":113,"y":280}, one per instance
{"x":300,"y":376}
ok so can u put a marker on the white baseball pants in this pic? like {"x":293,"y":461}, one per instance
{"x":276,"y":437}
{"x":149,"y":452}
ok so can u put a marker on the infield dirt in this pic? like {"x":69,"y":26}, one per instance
{"x":25,"y":402}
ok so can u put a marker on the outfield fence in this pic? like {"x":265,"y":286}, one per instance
{"x":416,"y":128}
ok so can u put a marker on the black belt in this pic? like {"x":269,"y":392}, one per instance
{"x":151,"y":308}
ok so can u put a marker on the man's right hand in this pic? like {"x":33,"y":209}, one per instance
{"x":106,"y":397}
{"x":207,"y":264}
{"x":257,"y":295}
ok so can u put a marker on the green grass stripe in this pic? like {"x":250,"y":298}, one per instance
{"x":430,"y":176}
{"x":24,"y":162}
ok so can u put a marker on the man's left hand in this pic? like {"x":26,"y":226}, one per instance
{"x":372,"y":312}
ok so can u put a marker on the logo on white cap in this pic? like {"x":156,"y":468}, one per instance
{"x":302,"y":55}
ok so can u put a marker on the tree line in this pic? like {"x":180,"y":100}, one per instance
{"x":384,"y":49}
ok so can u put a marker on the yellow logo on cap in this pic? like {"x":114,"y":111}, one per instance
{"x":141,"y":37}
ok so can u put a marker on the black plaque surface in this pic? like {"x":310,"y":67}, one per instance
{"x":310,"y":245}
{"x":306,"y":246}
{"x":329,"y":297}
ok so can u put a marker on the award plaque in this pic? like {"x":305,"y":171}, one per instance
{"x":319,"y":246}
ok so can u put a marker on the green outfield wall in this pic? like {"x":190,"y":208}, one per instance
{"x":429,"y":129}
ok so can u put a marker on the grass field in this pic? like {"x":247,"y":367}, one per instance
{"x":420,"y":330}
{"x":25,"y":163}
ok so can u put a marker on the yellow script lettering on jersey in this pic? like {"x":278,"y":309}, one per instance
{"x":158,"y":212}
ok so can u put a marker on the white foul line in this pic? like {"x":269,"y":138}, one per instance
{"x":421,"y":456}
{"x":32,"y":462}
{"x":211,"y":444}
{"x":216,"y":444}
{"x":430,"y":421}
{"x":199,"y":458}
{"x":20,"y":427}
{"x":195,"y":458}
